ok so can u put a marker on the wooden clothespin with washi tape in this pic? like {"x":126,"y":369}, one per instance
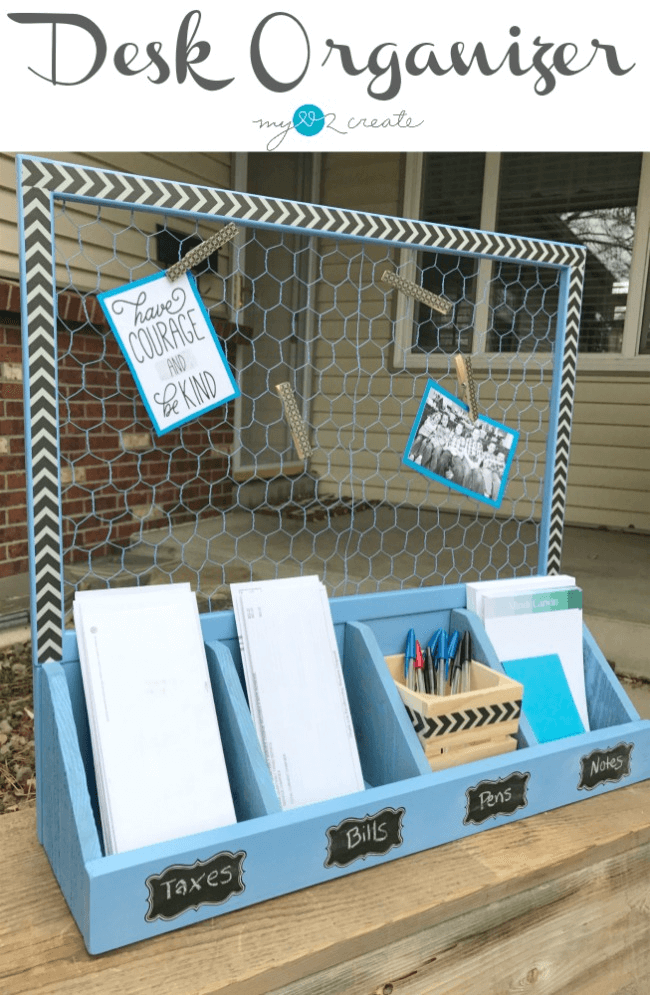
{"x":466,"y":381}
{"x":435,"y":301}
{"x":202,"y":251}
{"x":294,"y":420}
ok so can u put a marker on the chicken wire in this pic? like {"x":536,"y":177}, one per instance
{"x":224,"y":498}
{"x":297,"y":298}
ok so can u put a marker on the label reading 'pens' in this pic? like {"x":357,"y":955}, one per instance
{"x":356,"y":839}
{"x":605,"y":765}
{"x":188,"y":886}
{"x":488,"y":799}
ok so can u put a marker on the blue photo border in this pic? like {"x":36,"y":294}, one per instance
{"x":474,"y":495}
{"x":105,"y":295}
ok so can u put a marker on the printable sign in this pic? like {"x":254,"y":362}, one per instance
{"x":172,"y":350}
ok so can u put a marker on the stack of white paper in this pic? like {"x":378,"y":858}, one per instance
{"x":157,"y":750}
{"x":535,"y":617}
{"x":476,"y":589}
{"x":296,"y":689}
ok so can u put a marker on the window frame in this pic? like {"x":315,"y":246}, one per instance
{"x":628,"y":359}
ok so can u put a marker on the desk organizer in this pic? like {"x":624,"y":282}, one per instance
{"x":406,"y":807}
{"x":456,"y":728}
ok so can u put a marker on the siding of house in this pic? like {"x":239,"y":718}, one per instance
{"x":365,"y":405}
{"x":109,"y":231}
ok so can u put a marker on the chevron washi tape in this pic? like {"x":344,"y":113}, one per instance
{"x":463,"y":719}
{"x":202,"y":251}
{"x":435,"y":302}
{"x":294,"y":420}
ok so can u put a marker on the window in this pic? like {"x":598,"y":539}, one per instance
{"x":599,"y":199}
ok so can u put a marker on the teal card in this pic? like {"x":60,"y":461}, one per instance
{"x":547,"y":702}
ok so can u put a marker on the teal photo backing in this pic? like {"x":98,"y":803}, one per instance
{"x":463,"y":410}
{"x":107,"y":294}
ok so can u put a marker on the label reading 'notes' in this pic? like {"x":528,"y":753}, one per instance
{"x":602,"y":766}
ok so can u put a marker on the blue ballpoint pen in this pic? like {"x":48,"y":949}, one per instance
{"x":409,"y":660}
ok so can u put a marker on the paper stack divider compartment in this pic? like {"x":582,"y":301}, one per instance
{"x":252,"y":789}
{"x":607,"y":703}
{"x":406,"y":807}
{"x":388,"y":749}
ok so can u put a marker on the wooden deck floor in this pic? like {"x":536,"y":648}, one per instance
{"x":558,"y":903}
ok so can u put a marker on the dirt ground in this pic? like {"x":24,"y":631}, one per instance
{"x":17,"y":780}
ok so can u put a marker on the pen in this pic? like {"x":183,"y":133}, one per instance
{"x":419,"y":669}
{"x":453,"y":655}
{"x":465,"y":659}
{"x":430,"y":672}
{"x":442,"y":667}
{"x":409,"y":659}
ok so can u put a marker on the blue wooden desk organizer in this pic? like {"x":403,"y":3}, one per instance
{"x":405,"y":807}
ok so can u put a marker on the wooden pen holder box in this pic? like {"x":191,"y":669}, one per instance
{"x":405,"y":807}
{"x":457,"y":728}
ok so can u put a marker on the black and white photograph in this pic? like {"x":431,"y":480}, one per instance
{"x":473,"y":457}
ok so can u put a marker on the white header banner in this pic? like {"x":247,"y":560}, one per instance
{"x":334,"y":76}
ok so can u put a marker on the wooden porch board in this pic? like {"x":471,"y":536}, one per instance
{"x":558,"y":904}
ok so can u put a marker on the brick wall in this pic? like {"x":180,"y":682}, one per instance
{"x":117,"y":476}
{"x":13,"y":502}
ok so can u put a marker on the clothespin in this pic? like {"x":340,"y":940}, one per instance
{"x":466,"y":381}
{"x":435,"y":302}
{"x":202,"y":251}
{"x":294,"y":420}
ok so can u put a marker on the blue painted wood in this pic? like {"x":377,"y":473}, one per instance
{"x":607,"y":703}
{"x":250,"y":780}
{"x":72,"y":673}
{"x":389,"y":748}
{"x":40,"y":769}
{"x":286,"y":851}
{"x":70,"y":835}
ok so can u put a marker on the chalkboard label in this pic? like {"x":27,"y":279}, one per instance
{"x":356,"y":839}
{"x":488,"y":799}
{"x":188,"y":886}
{"x":605,"y":765}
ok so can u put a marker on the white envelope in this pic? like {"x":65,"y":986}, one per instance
{"x":157,"y":749}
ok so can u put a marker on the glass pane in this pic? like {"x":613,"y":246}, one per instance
{"x":452,"y":190}
{"x":584,"y":197}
